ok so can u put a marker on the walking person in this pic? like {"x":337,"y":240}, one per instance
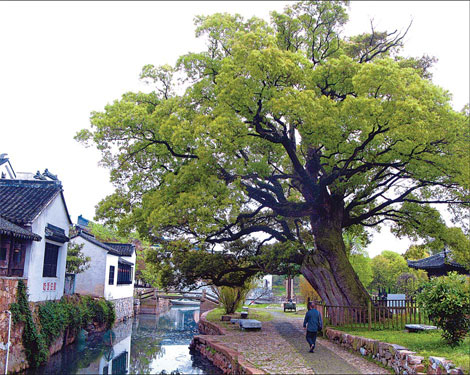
{"x":313,"y":323}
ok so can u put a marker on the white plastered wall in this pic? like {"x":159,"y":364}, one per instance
{"x":92,"y":281}
{"x":46,"y":288}
{"x":116,"y":291}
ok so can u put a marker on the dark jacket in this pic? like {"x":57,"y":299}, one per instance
{"x":313,"y":321}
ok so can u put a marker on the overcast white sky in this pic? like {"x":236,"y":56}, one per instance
{"x":62,"y":60}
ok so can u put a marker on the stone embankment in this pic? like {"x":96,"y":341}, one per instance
{"x":228,"y":360}
{"x":399,"y":358}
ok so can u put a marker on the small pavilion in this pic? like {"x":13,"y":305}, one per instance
{"x":438,"y":264}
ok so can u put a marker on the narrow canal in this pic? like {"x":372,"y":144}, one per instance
{"x":146,"y":344}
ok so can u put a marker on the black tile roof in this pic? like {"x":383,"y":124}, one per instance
{"x":124,"y":249}
{"x":21,"y":201}
{"x":435,"y":261}
{"x":113,"y":248}
{"x":10,"y":229}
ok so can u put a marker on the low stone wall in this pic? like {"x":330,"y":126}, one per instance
{"x":226,"y":359}
{"x":124,"y":308}
{"x":399,"y":358}
{"x":208,"y":328}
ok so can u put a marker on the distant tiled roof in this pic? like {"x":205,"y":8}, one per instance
{"x":10,"y":229}
{"x":434,"y":261}
{"x":114,"y":248}
{"x":22,"y":200}
{"x":124,"y":249}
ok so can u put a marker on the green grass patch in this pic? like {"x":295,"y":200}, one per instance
{"x":423,"y":343}
{"x":264,"y":305}
{"x":214,"y":315}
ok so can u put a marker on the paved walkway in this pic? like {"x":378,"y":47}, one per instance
{"x":280,"y":348}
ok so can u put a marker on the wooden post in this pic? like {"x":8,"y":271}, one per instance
{"x":369,"y":314}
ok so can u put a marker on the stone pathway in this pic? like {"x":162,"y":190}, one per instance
{"x":280,"y":348}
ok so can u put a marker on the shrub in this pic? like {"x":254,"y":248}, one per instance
{"x":446,"y":300}
{"x":307,"y":291}
{"x":232,"y":298}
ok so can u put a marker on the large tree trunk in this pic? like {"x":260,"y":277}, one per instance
{"x":328,"y":268}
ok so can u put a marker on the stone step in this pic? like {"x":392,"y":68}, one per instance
{"x":148,"y":310}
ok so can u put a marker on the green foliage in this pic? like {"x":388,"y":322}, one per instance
{"x":277,"y":130}
{"x":98,"y":310}
{"x":33,"y":342}
{"x":77,"y":262}
{"x":386,"y":268}
{"x":307,"y":291}
{"x":358,"y":256}
{"x":409,"y":282}
{"x":415,"y":252}
{"x":446,"y":300}
{"x":55,"y":317}
{"x":107,"y":233}
{"x":232,"y":298}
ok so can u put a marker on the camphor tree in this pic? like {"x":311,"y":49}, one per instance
{"x":256,"y":154}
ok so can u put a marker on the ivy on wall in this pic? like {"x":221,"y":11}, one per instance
{"x":70,"y":314}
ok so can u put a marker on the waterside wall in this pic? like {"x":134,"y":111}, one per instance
{"x":228,"y":360}
{"x":16,"y":356}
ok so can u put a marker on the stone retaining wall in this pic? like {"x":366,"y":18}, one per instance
{"x":399,"y":358}
{"x":124,"y":308}
{"x":226,"y":359}
{"x":208,"y":328}
{"x":16,"y":358}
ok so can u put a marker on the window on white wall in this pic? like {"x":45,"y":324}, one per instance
{"x":111,"y":275}
{"x":51,"y":254}
{"x":124,"y":274}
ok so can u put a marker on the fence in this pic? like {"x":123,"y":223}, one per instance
{"x":384,"y":314}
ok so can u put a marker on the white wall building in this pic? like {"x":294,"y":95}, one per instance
{"x":111,"y":272}
{"x":38,"y":207}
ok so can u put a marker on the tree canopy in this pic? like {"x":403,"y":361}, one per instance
{"x":256,"y":154}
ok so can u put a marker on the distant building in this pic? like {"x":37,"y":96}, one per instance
{"x":34,"y":227}
{"x":438,"y":264}
{"x":111,"y":271}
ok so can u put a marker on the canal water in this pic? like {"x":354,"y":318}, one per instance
{"x":145,"y":344}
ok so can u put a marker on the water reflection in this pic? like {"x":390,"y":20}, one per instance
{"x":148,"y":344}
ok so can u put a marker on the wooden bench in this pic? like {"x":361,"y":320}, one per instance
{"x":289,"y":306}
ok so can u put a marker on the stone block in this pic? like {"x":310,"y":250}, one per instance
{"x":414,"y":359}
{"x":249,"y":324}
{"x":225,"y":318}
{"x":419,"y":368}
{"x":419,"y":327}
{"x":404,"y":353}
